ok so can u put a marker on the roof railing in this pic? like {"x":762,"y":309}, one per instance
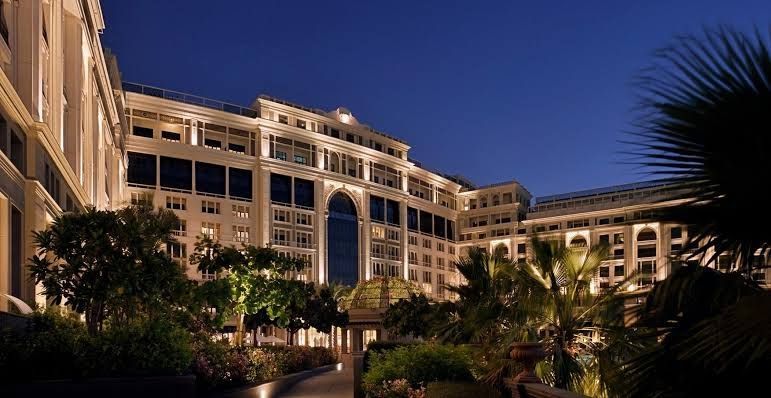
{"x":190,"y":99}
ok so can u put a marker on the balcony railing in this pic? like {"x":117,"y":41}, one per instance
{"x":190,"y":99}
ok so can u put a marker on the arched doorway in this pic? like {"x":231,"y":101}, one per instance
{"x":342,"y":241}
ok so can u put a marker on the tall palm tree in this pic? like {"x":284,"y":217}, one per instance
{"x":562,"y":310}
{"x":482,"y":298}
{"x":706,"y":127}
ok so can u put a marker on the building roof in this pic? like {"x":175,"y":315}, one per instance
{"x":379,"y":293}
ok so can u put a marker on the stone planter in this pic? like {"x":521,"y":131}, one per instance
{"x":528,"y":354}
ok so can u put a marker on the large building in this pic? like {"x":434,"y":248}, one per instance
{"x":319,"y":185}
{"x":62,"y":127}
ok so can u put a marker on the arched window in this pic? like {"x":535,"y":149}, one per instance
{"x":334,"y":162}
{"x":342,"y":240}
{"x":578,"y":241}
{"x":646,"y":235}
{"x":501,"y":250}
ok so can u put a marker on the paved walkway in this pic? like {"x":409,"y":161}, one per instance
{"x":332,"y":384}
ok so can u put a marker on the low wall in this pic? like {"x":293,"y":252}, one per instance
{"x":538,"y":390}
{"x":278,"y":386}
{"x":143,"y":387}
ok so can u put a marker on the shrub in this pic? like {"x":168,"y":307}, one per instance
{"x":418,"y":364}
{"x":379,"y":347}
{"x":443,"y":389}
{"x":143,"y":347}
{"x":57,"y":346}
{"x":53,"y":346}
{"x":218,"y":365}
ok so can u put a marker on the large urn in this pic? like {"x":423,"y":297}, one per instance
{"x":528,"y":354}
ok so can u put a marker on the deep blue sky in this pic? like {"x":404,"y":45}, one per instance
{"x":538,"y":91}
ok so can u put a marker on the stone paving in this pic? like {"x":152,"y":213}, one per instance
{"x":332,"y":384}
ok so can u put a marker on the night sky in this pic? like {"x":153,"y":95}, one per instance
{"x":537,"y":91}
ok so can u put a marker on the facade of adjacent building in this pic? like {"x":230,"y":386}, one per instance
{"x":62,"y":128}
{"x":318,"y":185}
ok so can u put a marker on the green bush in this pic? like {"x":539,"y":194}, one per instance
{"x":380,"y":346}
{"x":58,"y":346}
{"x":443,"y":389}
{"x":143,"y":347}
{"x":218,"y":365}
{"x":418,"y":364}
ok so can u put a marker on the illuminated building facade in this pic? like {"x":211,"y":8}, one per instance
{"x":313,"y":184}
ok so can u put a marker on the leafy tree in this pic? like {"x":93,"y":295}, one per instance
{"x":110,"y":264}
{"x":413,"y":317}
{"x":314,"y":308}
{"x":252,"y":280}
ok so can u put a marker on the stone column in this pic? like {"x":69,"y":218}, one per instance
{"x":344,"y":341}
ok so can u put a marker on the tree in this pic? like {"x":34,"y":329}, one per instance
{"x":555,"y":303}
{"x":705,"y":129}
{"x":413,"y":317}
{"x":109,"y":263}
{"x":316,"y":308}
{"x":475,"y":317}
{"x":252,"y":280}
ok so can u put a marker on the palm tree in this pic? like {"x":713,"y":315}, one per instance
{"x":705,"y":128}
{"x":562,"y":309}
{"x":475,"y":316}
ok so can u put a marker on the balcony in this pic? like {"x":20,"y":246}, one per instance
{"x":384,"y":256}
{"x":190,"y":99}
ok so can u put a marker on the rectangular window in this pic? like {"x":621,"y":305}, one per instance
{"x":604,"y":272}
{"x":440,"y":246}
{"x":378,"y":232}
{"x":176,"y":173}
{"x":603,"y":221}
{"x":210,"y":178}
{"x":426,"y":222}
{"x":210,"y":230}
{"x":439,"y":263}
{"x":414,"y":275}
{"x":413,"y":240}
{"x":521,"y":248}
{"x":426,"y":276}
{"x":618,"y":270}
{"x":646,"y":251}
{"x":281,"y":215}
{"x":241,"y":233}
{"x":605,"y":238}
{"x":171,"y":136}
{"x":141,"y":168}
{"x":618,"y":239}
{"x":413,"y":258}
{"x":176,"y":203}
{"x":677,"y":233}
{"x":554,"y":227}
{"x":141,"y":199}
{"x":280,"y":237}
{"x":300,"y":159}
{"x":301,"y":123}
{"x":439,"y":226}
{"x":427,"y":260}
{"x":210,"y":207}
{"x":392,"y":212}
{"x":303,"y":239}
{"x":376,"y":208}
{"x":212,"y":144}
{"x":176,"y":250}
{"x":240,"y":211}
{"x":303,"y":219}
{"x":142,"y":131}
{"x":427,"y":243}
{"x":240,"y":183}
{"x":303,"y":193}
{"x":236,"y":148}
{"x":180,"y":228}
{"x":618,"y":219}
{"x":280,"y":155}
{"x":451,"y":250}
{"x":280,"y":188}
{"x":393,"y":235}
{"x":283,"y":119}
{"x":412,"y":218}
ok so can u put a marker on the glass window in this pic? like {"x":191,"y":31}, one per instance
{"x":142,"y":131}
{"x":412,"y":218}
{"x":171,"y":136}
{"x":303,"y":192}
{"x":210,"y":178}
{"x":439,"y":226}
{"x":141,"y":168}
{"x":392,"y":212}
{"x":450,"y":230}
{"x":240,"y":183}
{"x":677,"y":233}
{"x":176,"y":173}
{"x":280,"y":188}
{"x":426,"y":222}
{"x":376,"y":208}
